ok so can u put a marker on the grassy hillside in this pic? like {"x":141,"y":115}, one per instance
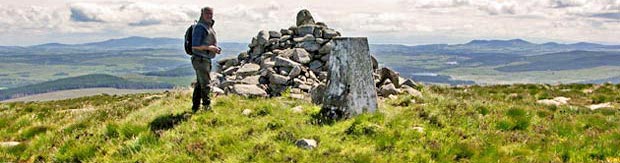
{"x":85,"y":81}
{"x":469,"y":124}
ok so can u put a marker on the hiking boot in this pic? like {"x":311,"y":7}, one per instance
{"x":195,"y":109}
{"x":206,"y":107}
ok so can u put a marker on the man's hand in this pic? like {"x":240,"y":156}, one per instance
{"x":211,"y":48}
{"x":215,"y":49}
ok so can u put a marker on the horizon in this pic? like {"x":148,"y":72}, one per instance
{"x":375,"y":43}
{"x":406,"y":22}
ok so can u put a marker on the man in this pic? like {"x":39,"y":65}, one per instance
{"x":204,"y":48}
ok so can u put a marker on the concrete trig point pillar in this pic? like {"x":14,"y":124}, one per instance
{"x":350,"y":88}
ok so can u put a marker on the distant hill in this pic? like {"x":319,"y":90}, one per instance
{"x":500,"y":43}
{"x":516,"y":47}
{"x":164,"y":57}
{"x":184,"y":70}
{"x":133,"y":42}
{"x":137,"y":42}
{"x":85,"y":81}
{"x":572,"y":60}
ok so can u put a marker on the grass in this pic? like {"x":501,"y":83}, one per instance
{"x":500,"y":123}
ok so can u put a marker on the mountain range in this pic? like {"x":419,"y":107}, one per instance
{"x":518,"y":46}
{"x":474,"y":62}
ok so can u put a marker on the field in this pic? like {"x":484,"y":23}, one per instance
{"x":69,"y":94}
{"x":500,"y":123}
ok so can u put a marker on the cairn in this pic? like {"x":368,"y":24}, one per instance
{"x":295,"y":58}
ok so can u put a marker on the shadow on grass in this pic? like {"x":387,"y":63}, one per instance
{"x":166,"y":122}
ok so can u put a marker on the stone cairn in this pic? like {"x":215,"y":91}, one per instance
{"x":294,"y":58}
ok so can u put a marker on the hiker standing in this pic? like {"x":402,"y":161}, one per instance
{"x":204,"y":48}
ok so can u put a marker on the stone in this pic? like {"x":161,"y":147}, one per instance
{"x":243,"y":56}
{"x":279,"y":61}
{"x":375,"y":63}
{"x":317,"y":94}
{"x":311,"y":46}
{"x":325,"y":49}
{"x":273,"y":41}
{"x":600,"y":106}
{"x":408,"y":82}
{"x":318,"y":32}
{"x":227,"y":83}
{"x":283,"y":73}
{"x":562,"y":99}
{"x":215,"y":75}
{"x":224,"y":61}
{"x":330,"y":33}
{"x":301,"y":56}
{"x":323,"y":75}
{"x":297,"y":82}
{"x":253,"y":43}
{"x":276,"y":89}
{"x":246,"y":112}
{"x":287,"y":53}
{"x":295,"y":71}
{"x":286,"y":32}
{"x":248,"y":90}
{"x":311,"y":75}
{"x":256,"y":52}
{"x":251,"y":80}
{"x":231,"y":70}
{"x":548,"y":102}
{"x":278,"y":79}
{"x":321,"y":24}
{"x":411,"y":91}
{"x":325,"y":58}
{"x":268,"y":64}
{"x":351,"y":90}
{"x":555,"y":101}
{"x":293,"y":28}
{"x":248,"y":69}
{"x":295,"y":91}
{"x":387,"y":73}
{"x":268,"y":54}
{"x":321,"y":41}
{"x":9,"y":144}
{"x":304,"y":18}
{"x":263,"y":38}
{"x":275,"y":34}
{"x":307,"y":37}
{"x":297,"y":96}
{"x":297,"y":109}
{"x":316,"y":65}
{"x":217,"y":91}
{"x":305,"y":87}
{"x":306,"y":143}
{"x":393,"y":97}
{"x":388,"y":89}
{"x":418,"y":129}
{"x":305,"y":30}
{"x":285,"y":38}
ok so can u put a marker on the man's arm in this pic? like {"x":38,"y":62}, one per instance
{"x":211,"y":48}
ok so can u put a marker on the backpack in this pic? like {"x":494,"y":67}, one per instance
{"x":188,"y":39}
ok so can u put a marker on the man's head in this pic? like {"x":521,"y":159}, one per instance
{"x":206,"y":13}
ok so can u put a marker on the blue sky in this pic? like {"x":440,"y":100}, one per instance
{"x":28,"y":22}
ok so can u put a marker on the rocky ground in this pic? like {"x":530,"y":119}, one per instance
{"x":296,"y":59}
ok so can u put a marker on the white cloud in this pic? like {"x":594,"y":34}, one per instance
{"x":437,"y":3}
{"x":239,"y":20}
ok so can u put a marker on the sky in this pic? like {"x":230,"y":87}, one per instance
{"x":411,"y":22}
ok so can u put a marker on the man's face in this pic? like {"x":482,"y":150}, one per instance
{"x":208,"y":14}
